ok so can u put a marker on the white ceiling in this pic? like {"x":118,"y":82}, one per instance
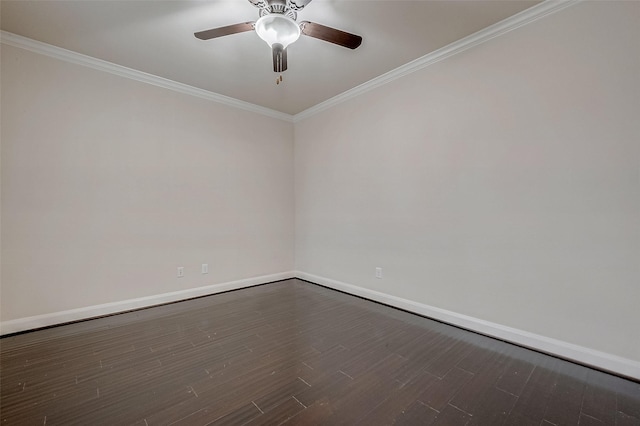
{"x":157,"y":37}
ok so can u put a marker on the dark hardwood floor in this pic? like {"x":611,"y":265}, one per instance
{"x":294,"y":353}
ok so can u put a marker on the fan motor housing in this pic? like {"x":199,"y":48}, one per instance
{"x":288,"y":13}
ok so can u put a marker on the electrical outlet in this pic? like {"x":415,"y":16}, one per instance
{"x":205,"y":268}
{"x":379,"y":273}
{"x":180,"y":271}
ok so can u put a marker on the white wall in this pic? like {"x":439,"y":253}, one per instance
{"x":109,"y":184}
{"x":501,"y":183}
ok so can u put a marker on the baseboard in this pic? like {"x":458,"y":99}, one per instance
{"x":46,"y":320}
{"x":580,"y":354}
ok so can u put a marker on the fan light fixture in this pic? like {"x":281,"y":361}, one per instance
{"x":275,"y":28}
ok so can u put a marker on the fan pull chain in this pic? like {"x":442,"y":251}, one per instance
{"x":278,"y":80}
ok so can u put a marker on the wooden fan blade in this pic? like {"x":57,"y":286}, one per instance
{"x":223,"y":31}
{"x":331,"y":35}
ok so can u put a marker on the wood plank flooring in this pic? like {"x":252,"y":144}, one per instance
{"x":293,"y":353}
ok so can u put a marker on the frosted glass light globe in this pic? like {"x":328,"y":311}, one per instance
{"x":277,"y":29}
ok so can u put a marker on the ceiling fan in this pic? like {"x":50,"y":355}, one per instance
{"x":278,"y":27}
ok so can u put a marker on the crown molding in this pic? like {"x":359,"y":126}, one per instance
{"x":518,"y":20}
{"x":15,"y":40}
